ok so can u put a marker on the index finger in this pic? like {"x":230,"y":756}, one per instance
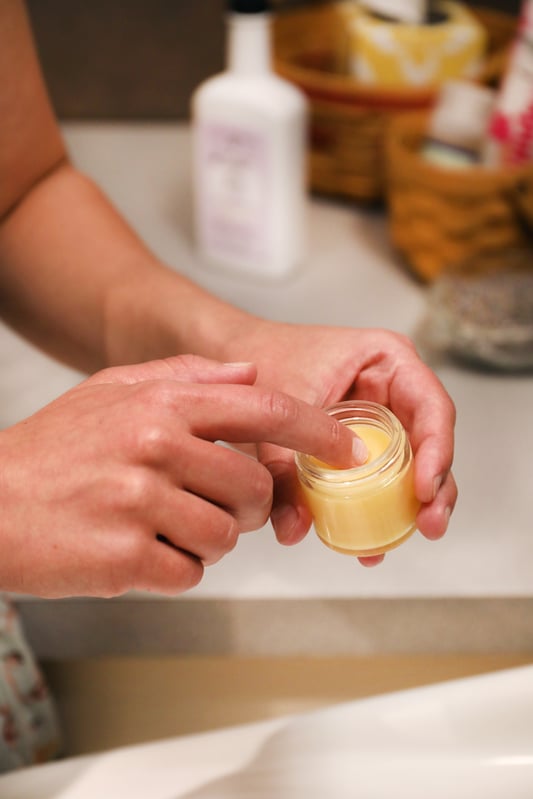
{"x":244,"y":414}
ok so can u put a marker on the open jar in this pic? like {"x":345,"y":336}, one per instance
{"x":368,"y":509}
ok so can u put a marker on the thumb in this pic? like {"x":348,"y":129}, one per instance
{"x":183,"y":368}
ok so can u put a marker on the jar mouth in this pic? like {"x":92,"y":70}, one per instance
{"x":356,"y":412}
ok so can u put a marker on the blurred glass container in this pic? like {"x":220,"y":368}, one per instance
{"x":482,"y":312}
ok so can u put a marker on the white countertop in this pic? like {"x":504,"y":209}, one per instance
{"x":351,"y":277}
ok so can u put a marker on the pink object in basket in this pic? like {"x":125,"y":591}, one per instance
{"x":510,"y":139}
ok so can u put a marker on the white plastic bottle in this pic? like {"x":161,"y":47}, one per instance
{"x":249,"y":169}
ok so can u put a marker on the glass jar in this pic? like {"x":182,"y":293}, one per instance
{"x":368,"y":509}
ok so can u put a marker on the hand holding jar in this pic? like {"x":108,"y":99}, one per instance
{"x":371,"y":507}
{"x":327,"y":365}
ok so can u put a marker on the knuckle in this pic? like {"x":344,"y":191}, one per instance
{"x":393,"y":341}
{"x":159,"y":394}
{"x":150,"y":441}
{"x":336,"y":432}
{"x":187,"y":361}
{"x":405,"y":341}
{"x":105,"y":375}
{"x":132,"y":489}
{"x":281,"y":408}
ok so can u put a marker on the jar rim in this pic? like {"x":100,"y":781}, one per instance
{"x":357,"y":412}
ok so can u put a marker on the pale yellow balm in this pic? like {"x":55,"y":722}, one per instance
{"x":371,"y":508}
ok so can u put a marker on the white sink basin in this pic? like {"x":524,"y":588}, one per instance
{"x":464,"y":739}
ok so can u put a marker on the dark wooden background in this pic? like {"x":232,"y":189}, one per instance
{"x":134,"y":59}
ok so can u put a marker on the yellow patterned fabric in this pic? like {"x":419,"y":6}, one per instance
{"x":387,"y":54}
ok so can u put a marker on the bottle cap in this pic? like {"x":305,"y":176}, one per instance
{"x":410,"y":11}
{"x":461,"y":115}
{"x":248,"y":6}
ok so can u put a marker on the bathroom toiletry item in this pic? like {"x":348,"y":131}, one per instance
{"x":482,"y":312}
{"x":249,"y":179}
{"x":396,"y":53}
{"x":511,"y":130}
{"x":458,"y":124}
{"x":442,"y":217}
{"x":368,"y":509}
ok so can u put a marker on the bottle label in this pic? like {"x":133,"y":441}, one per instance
{"x":233,"y":192}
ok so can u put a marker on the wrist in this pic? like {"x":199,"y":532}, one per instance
{"x":159,"y":313}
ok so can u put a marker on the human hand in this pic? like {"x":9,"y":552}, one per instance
{"x":119,"y":484}
{"x":324,"y":365}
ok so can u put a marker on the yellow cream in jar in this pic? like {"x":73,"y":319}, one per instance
{"x":371,"y":508}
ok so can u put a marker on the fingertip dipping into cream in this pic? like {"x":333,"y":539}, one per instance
{"x":359,"y":451}
{"x":371,"y":507}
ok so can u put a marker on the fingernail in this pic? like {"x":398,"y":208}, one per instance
{"x":238,"y":364}
{"x":359,"y":450}
{"x":447,"y":514}
{"x":437,"y":482}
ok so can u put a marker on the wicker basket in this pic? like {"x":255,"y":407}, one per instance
{"x":440,"y":217}
{"x":348,"y":119}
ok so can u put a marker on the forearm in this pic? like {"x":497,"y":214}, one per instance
{"x":74,"y":278}
{"x":78,"y":282}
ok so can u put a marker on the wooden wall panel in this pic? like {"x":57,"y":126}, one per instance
{"x":127,"y":58}
{"x":134,"y":59}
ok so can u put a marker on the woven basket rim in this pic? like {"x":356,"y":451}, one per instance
{"x":413,"y":126}
{"x":343,"y":89}
{"x":346,"y":89}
